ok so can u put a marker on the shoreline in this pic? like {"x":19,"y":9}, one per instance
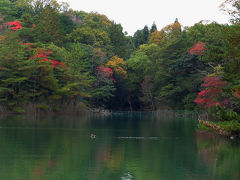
{"x":214,"y":129}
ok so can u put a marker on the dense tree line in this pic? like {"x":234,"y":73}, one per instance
{"x":52,"y":57}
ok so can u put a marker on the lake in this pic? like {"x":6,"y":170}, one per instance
{"x":160,"y":145}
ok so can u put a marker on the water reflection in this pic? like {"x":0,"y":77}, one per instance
{"x":127,"y":146}
{"x":220,"y":155}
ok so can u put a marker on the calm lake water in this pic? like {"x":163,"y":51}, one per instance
{"x":139,"y":146}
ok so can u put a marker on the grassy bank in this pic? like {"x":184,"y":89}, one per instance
{"x":224,"y":128}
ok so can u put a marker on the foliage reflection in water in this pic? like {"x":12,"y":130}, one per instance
{"x":127,"y":146}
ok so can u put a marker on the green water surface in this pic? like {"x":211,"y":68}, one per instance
{"x":127,"y":146}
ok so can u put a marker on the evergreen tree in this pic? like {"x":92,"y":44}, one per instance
{"x":153,"y":28}
{"x":145,"y":34}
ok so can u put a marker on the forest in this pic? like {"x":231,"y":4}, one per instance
{"x":53,"y":58}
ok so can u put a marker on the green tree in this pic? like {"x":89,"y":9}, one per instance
{"x":153,"y":28}
{"x":35,"y":7}
{"x":7,"y":10}
{"x":23,"y":80}
{"x":49,"y":28}
{"x":145,"y":33}
{"x":138,"y":38}
{"x":118,"y":40}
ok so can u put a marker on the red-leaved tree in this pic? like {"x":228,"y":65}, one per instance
{"x":198,"y":49}
{"x":212,"y":93}
{"x":44,"y":56}
{"x":28,"y":45}
{"x":15,"y":25}
{"x":105,"y":72}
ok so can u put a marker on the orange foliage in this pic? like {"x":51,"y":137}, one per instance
{"x":168,"y":32}
{"x":236,"y":93}
{"x":2,"y":37}
{"x":174,"y":28}
{"x":157,"y":37}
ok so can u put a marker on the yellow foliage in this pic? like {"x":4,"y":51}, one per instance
{"x":157,"y":37}
{"x":2,"y":37}
{"x":173,"y":28}
{"x":118,"y":65}
{"x":105,"y":21}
